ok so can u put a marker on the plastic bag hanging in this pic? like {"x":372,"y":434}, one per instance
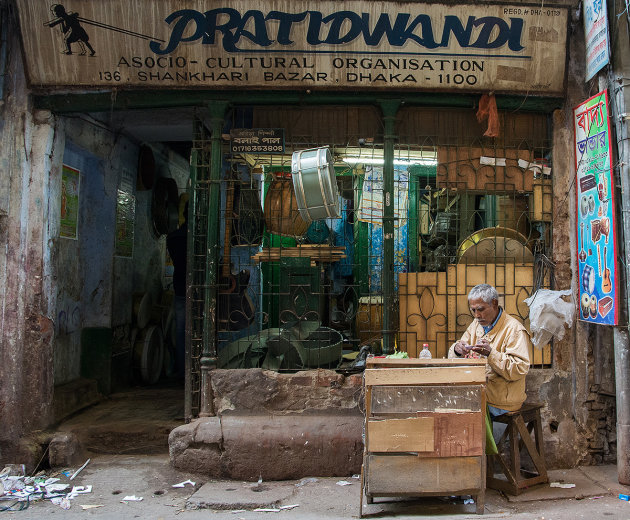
{"x":548,"y":314}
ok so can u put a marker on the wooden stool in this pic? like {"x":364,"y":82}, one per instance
{"x":520,"y":425}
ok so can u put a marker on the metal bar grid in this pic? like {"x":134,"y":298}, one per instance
{"x":287,"y":275}
{"x":196,"y":316}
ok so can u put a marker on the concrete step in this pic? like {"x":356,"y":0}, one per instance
{"x":74,"y":396}
{"x":136,"y":422}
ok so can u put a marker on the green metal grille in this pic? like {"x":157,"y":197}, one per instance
{"x":292,"y":295}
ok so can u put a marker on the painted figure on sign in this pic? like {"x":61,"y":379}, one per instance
{"x":504,"y":341}
{"x":72,"y":30}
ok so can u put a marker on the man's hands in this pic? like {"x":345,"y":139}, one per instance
{"x":464,"y":349}
{"x":482,"y":347}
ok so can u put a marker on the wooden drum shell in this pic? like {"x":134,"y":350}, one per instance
{"x":281,"y":211}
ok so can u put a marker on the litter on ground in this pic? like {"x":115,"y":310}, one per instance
{"x":183,"y":484}
{"x":79,"y":470}
{"x":132,"y":498}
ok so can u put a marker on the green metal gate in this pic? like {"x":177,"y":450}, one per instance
{"x":428,"y":208}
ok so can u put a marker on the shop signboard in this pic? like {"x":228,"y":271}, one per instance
{"x":257,"y":140}
{"x":596,"y":31}
{"x":295,"y":44}
{"x":595,"y":213}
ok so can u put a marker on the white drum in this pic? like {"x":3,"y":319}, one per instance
{"x":588,"y":279}
{"x":315,"y":184}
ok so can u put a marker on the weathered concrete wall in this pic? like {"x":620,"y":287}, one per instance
{"x":26,"y":325}
{"x":601,"y":423}
{"x":94,"y":286}
{"x":84,"y":273}
{"x":578,"y":420}
{"x":84,"y":266}
{"x":54,"y":287}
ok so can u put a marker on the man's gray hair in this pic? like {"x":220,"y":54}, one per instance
{"x":484,"y":292}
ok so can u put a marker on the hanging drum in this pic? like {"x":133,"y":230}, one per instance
{"x":315,"y":184}
{"x":281,"y":211}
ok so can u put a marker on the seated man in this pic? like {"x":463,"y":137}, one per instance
{"x":504,"y":341}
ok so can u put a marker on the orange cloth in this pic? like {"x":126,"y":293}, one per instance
{"x":488,"y":110}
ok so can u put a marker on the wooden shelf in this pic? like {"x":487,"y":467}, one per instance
{"x":316,"y":252}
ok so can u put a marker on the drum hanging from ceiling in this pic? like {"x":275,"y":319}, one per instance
{"x":315,"y":184}
{"x":281,"y":211}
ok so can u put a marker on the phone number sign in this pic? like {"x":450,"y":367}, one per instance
{"x":257,"y":140}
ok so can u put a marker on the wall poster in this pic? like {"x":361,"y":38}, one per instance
{"x":125,"y":216}
{"x":595,"y":213}
{"x":70,"y":182}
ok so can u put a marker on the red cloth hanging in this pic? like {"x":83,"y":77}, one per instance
{"x":488,"y":110}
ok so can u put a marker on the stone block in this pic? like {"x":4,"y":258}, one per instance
{"x":355,"y":380}
{"x":255,"y":391}
{"x":182,"y":436}
{"x":291,"y":447}
{"x":65,"y":450}
{"x":196,"y":446}
{"x":208,"y":431}
{"x":328,"y":378}
{"x":274,"y":447}
{"x":199,"y":459}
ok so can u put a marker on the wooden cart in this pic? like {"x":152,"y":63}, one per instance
{"x":425,"y":431}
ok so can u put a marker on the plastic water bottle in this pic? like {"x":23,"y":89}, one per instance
{"x":425,"y":353}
